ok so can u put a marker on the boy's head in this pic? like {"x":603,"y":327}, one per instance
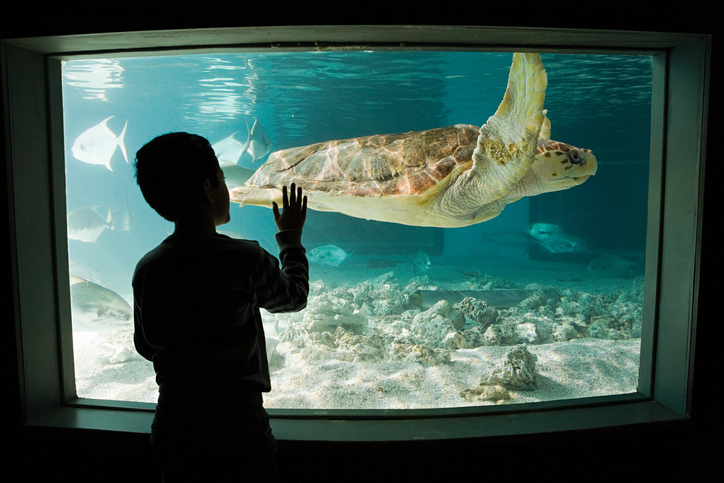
{"x":171,"y":170}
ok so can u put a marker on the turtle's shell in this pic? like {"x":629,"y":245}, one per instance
{"x":411,"y":163}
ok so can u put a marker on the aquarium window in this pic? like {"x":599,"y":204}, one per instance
{"x":399,"y":316}
{"x":562,"y":299}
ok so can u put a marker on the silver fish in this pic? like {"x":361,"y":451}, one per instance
{"x":422,"y":263}
{"x":86,"y":224}
{"x":229,"y":150}
{"x":554,"y":239}
{"x":97,"y":145}
{"x":330,"y":255}
{"x":259,"y":142}
{"x":84,"y":271}
{"x":97,"y":309}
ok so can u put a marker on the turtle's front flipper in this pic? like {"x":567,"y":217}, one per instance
{"x":255,"y":196}
{"x":507,"y":142}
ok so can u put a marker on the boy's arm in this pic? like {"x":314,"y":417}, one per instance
{"x":285,"y":289}
{"x":290,"y":285}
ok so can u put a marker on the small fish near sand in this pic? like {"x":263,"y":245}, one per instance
{"x":554,"y":239}
{"x":97,"y":309}
{"x":615,"y":266}
{"x":330,"y":255}
{"x":97,"y":144}
{"x":86,"y":224}
{"x":422,"y":263}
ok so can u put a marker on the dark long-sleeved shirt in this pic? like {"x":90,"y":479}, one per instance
{"x":197,"y":300}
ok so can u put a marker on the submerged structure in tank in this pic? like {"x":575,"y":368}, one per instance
{"x":447,"y":177}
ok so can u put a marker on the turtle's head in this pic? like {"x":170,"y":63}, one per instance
{"x":561,"y":166}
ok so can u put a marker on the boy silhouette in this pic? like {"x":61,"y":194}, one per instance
{"x":196,"y":308}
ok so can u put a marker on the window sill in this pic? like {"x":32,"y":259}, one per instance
{"x":447,"y":426}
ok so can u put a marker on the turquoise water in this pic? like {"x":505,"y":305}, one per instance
{"x":598,"y":102}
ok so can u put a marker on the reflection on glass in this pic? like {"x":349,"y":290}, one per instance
{"x":542,"y":302}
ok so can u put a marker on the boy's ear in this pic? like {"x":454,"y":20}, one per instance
{"x":208,"y":191}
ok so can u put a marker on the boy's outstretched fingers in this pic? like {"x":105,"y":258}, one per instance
{"x":292,"y":196}
{"x":294,"y":208}
{"x":301,"y":200}
{"x":275,"y":206}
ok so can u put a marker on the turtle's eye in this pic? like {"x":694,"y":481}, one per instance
{"x":576,"y":157}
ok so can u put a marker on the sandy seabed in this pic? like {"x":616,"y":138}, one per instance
{"x":359,"y":345}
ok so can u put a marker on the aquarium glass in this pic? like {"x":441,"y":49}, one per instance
{"x":543,"y":302}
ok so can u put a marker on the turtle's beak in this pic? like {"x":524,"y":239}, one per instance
{"x":587,"y":167}
{"x":591,"y":162}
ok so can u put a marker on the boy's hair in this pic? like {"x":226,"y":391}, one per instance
{"x":171,"y":169}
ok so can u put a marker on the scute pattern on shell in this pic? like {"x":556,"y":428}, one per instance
{"x":395,"y":164}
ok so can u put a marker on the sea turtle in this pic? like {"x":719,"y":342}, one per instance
{"x":446,"y":177}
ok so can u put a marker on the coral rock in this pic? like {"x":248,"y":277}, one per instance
{"x":565,"y":332}
{"x":516,"y":370}
{"x":491,"y":336}
{"x":486,"y":392}
{"x":477,"y":311}
{"x":527,"y":332}
{"x":327,"y":310}
{"x":455,"y":341}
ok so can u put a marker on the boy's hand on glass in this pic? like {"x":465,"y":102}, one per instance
{"x":294,"y":209}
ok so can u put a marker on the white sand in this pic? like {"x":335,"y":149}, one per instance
{"x":326,"y":375}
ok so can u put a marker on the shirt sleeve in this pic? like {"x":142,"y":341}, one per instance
{"x":284,"y":289}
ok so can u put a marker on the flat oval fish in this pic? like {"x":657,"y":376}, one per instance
{"x":259,"y":142}
{"x":554,"y":239}
{"x":422,"y":263}
{"x":330,"y":255}
{"x":86,"y":224}
{"x":229,"y":150}
{"x":97,"y":144}
{"x":97,"y":309}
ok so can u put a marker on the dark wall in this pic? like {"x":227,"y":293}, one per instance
{"x":692,"y":451}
